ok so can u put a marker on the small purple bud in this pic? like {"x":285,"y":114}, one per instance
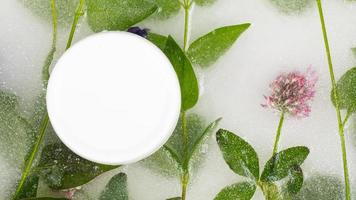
{"x":138,"y":31}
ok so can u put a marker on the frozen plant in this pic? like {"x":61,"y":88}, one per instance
{"x":291,"y":94}
{"x":184,"y":146}
{"x":343,"y":97}
{"x":59,"y":170}
{"x":283,"y":167}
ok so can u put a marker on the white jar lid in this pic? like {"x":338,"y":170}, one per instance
{"x":113,"y":98}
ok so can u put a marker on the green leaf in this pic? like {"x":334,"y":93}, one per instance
{"x":279,"y":166}
{"x":39,"y":109}
{"x":29,"y":188}
{"x":204,"y":2}
{"x":171,"y":158}
{"x":117,"y":14}
{"x":294,"y":182}
{"x":42,"y":8}
{"x":166,"y":8}
{"x":197,"y":136}
{"x":354,"y":51}
{"x":16,"y":134}
{"x":175,"y":198}
{"x":210,"y":47}
{"x":47,"y":65}
{"x":196,"y":142}
{"x":238,"y":191}
{"x":158,"y":40}
{"x":346,"y":88}
{"x":238,"y":154}
{"x":62,"y":169}
{"x":116,"y":189}
{"x":323,"y":187}
{"x":163,"y":163}
{"x":291,"y":6}
{"x":185,"y":72}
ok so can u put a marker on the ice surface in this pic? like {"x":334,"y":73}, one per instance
{"x":233,"y":87}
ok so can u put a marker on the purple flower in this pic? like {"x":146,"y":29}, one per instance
{"x":138,"y":31}
{"x":292,"y":92}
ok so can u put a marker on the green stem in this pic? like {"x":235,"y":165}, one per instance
{"x":186,"y":5}
{"x":185,"y":173}
{"x":45,"y":120}
{"x":32,"y":157}
{"x":185,"y":176}
{"x":270,"y":191}
{"x":278,"y":134}
{"x":336,"y":97}
{"x":78,"y":13}
{"x":49,"y":58}
{"x":344,"y":161}
{"x":184,"y":180}
{"x":184,"y":131}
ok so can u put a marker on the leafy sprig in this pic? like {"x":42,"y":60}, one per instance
{"x":243,"y":160}
{"x":61,"y":172}
{"x":342,"y":96}
{"x":44,"y":120}
{"x":204,"y":52}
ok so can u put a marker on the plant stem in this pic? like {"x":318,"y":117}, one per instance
{"x":184,"y":131}
{"x":45,"y":120}
{"x":270,"y":191}
{"x":49,"y":59}
{"x":186,"y":5}
{"x":336,"y":97}
{"x":78,"y":13}
{"x":344,"y":161}
{"x":184,"y":180}
{"x":185,"y":174}
{"x":278,"y":134}
{"x":32,"y":157}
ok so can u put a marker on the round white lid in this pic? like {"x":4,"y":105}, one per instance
{"x":113,"y":98}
